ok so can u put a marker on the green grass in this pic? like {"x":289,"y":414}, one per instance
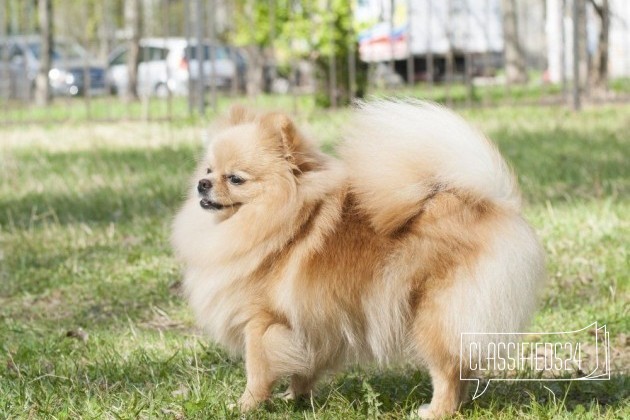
{"x":112,"y":108}
{"x":84,"y":221}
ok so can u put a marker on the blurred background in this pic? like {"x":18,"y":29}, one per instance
{"x":167,"y":59}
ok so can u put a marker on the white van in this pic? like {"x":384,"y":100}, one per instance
{"x":167,"y":65}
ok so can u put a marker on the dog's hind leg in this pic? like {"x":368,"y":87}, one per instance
{"x":301,"y":385}
{"x":449,"y":390}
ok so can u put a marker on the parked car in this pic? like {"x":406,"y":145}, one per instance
{"x":20,"y":57}
{"x":167,"y":64}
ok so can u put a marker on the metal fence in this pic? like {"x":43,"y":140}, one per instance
{"x":196,"y":55}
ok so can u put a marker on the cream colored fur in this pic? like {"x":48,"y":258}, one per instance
{"x":411,"y":238}
{"x":397,"y":151}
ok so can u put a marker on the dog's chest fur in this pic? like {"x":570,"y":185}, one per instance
{"x":221,"y":302}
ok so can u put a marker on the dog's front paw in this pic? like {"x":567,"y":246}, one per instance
{"x":425,"y":412}
{"x":430,"y":411}
{"x":248,"y":402}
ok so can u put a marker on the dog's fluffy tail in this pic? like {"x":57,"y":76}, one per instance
{"x":399,"y":153}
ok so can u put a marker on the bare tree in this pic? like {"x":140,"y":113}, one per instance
{"x":585,"y":54}
{"x":600,"y":61}
{"x":42,"y":91}
{"x":106,"y":29}
{"x":133,"y":25}
{"x":577,"y":88}
{"x":515,"y":70}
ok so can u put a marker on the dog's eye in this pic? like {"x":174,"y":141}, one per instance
{"x":235,"y":180}
{"x":208,"y":171}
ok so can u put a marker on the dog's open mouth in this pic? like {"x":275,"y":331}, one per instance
{"x":211,"y":205}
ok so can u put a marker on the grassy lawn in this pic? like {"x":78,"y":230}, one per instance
{"x":176,"y":108}
{"x":92,"y":324}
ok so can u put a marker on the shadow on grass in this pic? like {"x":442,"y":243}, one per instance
{"x":565,"y":396}
{"x":97,"y":285}
{"x":99,"y":370}
{"x":565,"y":165}
{"x":130,"y":184}
{"x":396,"y":392}
{"x":552,"y":166}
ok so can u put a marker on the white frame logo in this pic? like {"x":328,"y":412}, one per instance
{"x":486,"y":352}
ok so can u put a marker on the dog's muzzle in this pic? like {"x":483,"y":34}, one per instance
{"x":210,"y":205}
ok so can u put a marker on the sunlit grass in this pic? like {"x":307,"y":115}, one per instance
{"x":84,"y":217}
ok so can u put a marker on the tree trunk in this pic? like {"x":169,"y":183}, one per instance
{"x":133,"y":25}
{"x":583,"y":56}
{"x":332,"y":70}
{"x":515,"y":71}
{"x":600,"y":61}
{"x":106,"y":30}
{"x":577,"y":87}
{"x":256,"y":60}
{"x":42,"y":92}
{"x":255,"y":68}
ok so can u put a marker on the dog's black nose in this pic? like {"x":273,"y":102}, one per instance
{"x":204,"y":185}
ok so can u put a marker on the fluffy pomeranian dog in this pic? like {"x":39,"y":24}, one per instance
{"x":303,"y":263}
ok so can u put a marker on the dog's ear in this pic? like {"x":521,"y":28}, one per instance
{"x":280,"y":128}
{"x":238,"y":114}
{"x":283,"y":134}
